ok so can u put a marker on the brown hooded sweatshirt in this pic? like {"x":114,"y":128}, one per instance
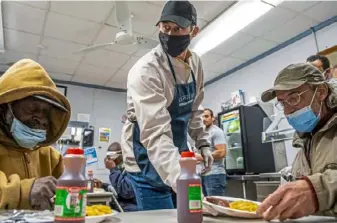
{"x":19,"y":167}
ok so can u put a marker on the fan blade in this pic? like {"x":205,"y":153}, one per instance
{"x":146,"y":43}
{"x":93,"y":48}
{"x":123,"y":16}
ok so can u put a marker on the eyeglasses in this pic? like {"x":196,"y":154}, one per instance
{"x":292,"y":100}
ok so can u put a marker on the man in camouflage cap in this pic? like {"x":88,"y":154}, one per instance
{"x":309,"y":104}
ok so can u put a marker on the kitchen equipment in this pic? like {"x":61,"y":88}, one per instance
{"x":265,"y":188}
{"x":246,"y":153}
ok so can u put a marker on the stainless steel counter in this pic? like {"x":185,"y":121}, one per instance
{"x":247,"y":190}
{"x":170,"y":216}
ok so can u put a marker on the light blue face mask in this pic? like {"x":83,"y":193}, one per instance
{"x":304,"y":120}
{"x":24,"y":136}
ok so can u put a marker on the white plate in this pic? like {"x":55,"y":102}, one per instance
{"x":100,"y":218}
{"x":88,"y":219}
{"x":220,"y":210}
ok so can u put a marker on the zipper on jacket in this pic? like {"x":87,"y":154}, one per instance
{"x":27,"y":161}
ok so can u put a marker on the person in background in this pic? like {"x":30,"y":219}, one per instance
{"x":334,"y":71}
{"x":322,"y":63}
{"x":165,"y":92}
{"x":119,"y":180}
{"x":33,"y":116}
{"x":310,"y":106}
{"x":333,"y":79}
{"x":214,"y":181}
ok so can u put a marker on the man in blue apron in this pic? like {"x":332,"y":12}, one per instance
{"x":165,"y":91}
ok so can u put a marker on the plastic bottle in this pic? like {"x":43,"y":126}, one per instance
{"x":91,"y":182}
{"x":71,"y":189}
{"x":189,"y":195}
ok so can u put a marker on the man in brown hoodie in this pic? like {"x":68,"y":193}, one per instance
{"x":33,"y":115}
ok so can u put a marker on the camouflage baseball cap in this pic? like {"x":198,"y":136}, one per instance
{"x":292,"y":77}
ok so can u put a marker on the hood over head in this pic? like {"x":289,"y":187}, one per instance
{"x":28,"y":78}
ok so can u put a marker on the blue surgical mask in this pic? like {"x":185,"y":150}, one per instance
{"x":24,"y":136}
{"x":304,"y":120}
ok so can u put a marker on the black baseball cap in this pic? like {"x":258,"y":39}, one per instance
{"x":181,"y":13}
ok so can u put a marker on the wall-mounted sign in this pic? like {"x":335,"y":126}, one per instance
{"x":90,"y":155}
{"x":104,"y":135}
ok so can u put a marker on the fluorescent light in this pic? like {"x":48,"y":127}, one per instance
{"x":272,"y":2}
{"x":230,"y":22}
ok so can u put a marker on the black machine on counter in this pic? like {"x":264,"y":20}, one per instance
{"x":246,"y":154}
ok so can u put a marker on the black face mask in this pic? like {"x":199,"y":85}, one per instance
{"x":174,"y":45}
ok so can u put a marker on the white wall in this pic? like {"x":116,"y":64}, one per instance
{"x":259,"y":76}
{"x":106,"y":109}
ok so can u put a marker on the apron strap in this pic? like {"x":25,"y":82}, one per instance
{"x":174,"y":74}
{"x":171,"y":68}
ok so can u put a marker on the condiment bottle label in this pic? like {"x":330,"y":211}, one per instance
{"x":70,"y":203}
{"x":194,"y":198}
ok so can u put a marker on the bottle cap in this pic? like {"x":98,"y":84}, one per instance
{"x":75,"y":151}
{"x":187,"y":154}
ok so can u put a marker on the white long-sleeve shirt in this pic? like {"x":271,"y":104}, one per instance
{"x":150,"y":91}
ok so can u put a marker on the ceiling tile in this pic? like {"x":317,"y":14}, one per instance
{"x":36,"y":4}
{"x":141,"y":52}
{"x":145,"y":17}
{"x":298,"y":6}
{"x":96,"y":11}
{"x":273,"y":19}
{"x":69,"y":28}
{"x":322,"y":11}
{"x":22,"y":17}
{"x":12,"y":57}
{"x":208,"y":10}
{"x":155,"y":35}
{"x":106,"y":58}
{"x":224,"y":65}
{"x":58,"y":65}
{"x":202,"y":23}
{"x":108,"y":35}
{"x":95,"y":80}
{"x":253,"y":49}
{"x":232,"y":44}
{"x":130,"y":63}
{"x":3,"y":67}
{"x":20,"y":41}
{"x":59,"y":76}
{"x":290,"y":29}
{"x":210,"y":58}
{"x":158,"y":3}
{"x":90,"y":70}
{"x":61,"y":49}
{"x":120,"y":85}
{"x":121,"y":76}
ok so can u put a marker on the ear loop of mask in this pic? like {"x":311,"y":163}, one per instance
{"x":312,"y":100}
{"x":9,"y":115}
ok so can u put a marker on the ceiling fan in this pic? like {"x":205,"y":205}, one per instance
{"x":125,"y":37}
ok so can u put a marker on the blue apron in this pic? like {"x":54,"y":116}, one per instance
{"x":180,"y":111}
